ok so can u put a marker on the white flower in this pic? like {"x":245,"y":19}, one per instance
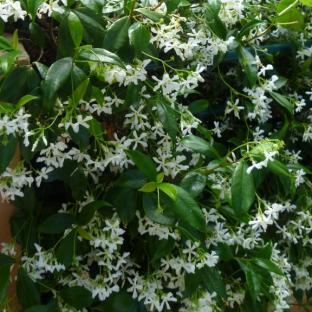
{"x":167,"y":84}
{"x":299,"y":177}
{"x":80,"y":121}
{"x":217,"y":129}
{"x":233,"y":107}
{"x":264,"y":163}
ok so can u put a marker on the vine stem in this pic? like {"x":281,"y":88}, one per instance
{"x":132,"y":8}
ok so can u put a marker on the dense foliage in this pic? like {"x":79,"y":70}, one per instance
{"x":165,"y":154}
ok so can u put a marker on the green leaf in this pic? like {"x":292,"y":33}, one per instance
{"x":152,"y":15}
{"x":88,"y":211}
{"x":248,"y":64}
{"x":75,"y":28}
{"x":37,"y":34}
{"x":160,"y":177}
{"x":90,"y":20}
{"x":283,"y":101}
{"x":144,"y":163}
{"x":162,"y":248}
{"x":57,"y":223}
{"x":194,"y":183}
{"x":4,"y":282}
{"x":253,"y":279}
{"x":66,"y":250}
{"x":268,"y":265}
{"x":306,"y":2}
{"x":153,"y":213}
{"x":132,"y":178}
{"x":84,"y":234}
{"x":279,"y":168}
{"x":56,"y":76}
{"x":169,"y":189}
{"x":242,"y":189}
{"x":80,"y":92}
{"x":25,"y":100}
{"x":5,"y":44}
{"x":213,"y":281}
{"x":100,"y":56}
{"x":187,"y":210}
{"x":148,"y":187}
{"x":167,"y":117}
{"x":42,"y":69}
{"x":199,"y":145}
{"x":26,"y":289}
{"x":117,"y":34}
{"x":198,"y":106}
{"x":126,"y":204}
{"x":14,"y":85}
{"x":140,"y":39}
{"x":8,"y":144}
{"x":78,"y":297}
{"x":214,"y":22}
{"x":289,"y":16}
{"x":245,"y":30}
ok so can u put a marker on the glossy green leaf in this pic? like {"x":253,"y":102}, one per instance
{"x":242,"y":189}
{"x":75,"y":28}
{"x":153,"y":212}
{"x":25,"y":100}
{"x":199,"y":145}
{"x":152,"y":15}
{"x":167,"y":117}
{"x":56,"y":76}
{"x":66,"y":250}
{"x":169,"y":189}
{"x":268,"y":265}
{"x":214,"y":22}
{"x":148,"y":187}
{"x":288,"y":16}
{"x":283,"y":101}
{"x":253,"y":280}
{"x":100,"y":56}
{"x":248,"y":63}
{"x":187,"y":210}
{"x":194,"y":183}
{"x":117,"y":34}
{"x":144,"y":163}
{"x":140,"y":39}
{"x":213,"y":281}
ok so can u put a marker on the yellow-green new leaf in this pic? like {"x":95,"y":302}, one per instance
{"x":148,"y":187}
{"x":169,"y":189}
